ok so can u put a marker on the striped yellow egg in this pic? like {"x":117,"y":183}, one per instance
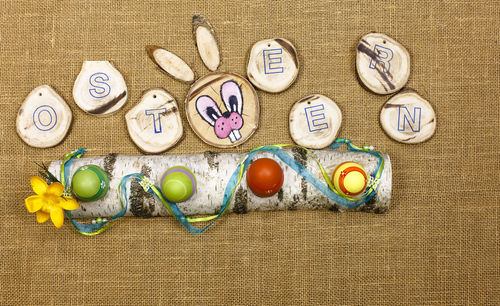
{"x":349,"y":179}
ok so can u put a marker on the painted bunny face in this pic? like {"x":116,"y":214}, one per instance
{"x":222,"y":109}
{"x":229,"y":123}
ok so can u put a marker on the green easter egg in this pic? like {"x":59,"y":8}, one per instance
{"x":90,"y":183}
{"x":178,"y":184}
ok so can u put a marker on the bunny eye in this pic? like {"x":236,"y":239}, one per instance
{"x":208,"y":110}
{"x":212,"y":113}
{"x":233,"y":103}
{"x":231,"y":95}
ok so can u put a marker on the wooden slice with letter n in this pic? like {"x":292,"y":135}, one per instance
{"x":273,"y":64}
{"x":223,"y":109}
{"x":314,"y":121}
{"x":44,"y":118}
{"x":100,"y":88}
{"x":408,"y":118}
{"x":382,"y":64}
{"x":155,"y":123}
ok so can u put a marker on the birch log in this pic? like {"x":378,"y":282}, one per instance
{"x":212,"y":171}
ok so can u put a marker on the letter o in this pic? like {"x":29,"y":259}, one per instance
{"x":37,"y":118}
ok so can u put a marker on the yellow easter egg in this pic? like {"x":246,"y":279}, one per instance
{"x":349,"y":179}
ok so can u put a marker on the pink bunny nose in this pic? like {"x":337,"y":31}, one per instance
{"x":222,"y":127}
{"x":236,"y":121}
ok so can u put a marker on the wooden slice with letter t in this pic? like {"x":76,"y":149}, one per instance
{"x":223,"y":109}
{"x":155,"y":123}
{"x":382,"y":64}
{"x":44,"y":118}
{"x":408,"y":118}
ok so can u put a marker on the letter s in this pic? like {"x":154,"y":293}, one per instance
{"x":102,"y":89}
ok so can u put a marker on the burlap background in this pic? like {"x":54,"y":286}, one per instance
{"x":439,"y":243}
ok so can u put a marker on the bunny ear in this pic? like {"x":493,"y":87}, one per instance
{"x":208,"y":109}
{"x":232,"y":96}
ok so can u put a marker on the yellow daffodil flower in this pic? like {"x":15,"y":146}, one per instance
{"x":48,"y":201}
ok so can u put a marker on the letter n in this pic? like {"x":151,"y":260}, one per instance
{"x":404,"y":116}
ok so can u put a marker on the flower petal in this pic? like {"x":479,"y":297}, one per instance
{"x":33,"y":203}
{"x":68,"y":203}
{"x":41,"y":216}
{"x":38,"y":184}
{"x":57,"y":216}
{"x":56,"y":189}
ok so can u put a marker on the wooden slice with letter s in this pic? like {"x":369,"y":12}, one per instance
{"x":223,"y":109}
{"x":100,"y":88}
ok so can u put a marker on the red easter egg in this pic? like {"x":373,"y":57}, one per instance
{"x":265,"y":177}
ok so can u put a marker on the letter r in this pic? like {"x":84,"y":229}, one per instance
{"x":384,"y":56}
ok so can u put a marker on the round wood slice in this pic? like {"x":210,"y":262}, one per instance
{"x":315,"y":121}
{"x":382,"y":64}
{"x":100,"y":88}
{"x":408,"y":118}
{"x":44,"y":118}
{"x":155,"y":123}
{"x":273,"y":64}
{"x":204,"y":37}
{"x":223,"y":109}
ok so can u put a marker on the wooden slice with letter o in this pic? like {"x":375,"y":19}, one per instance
{"x":223,"y":109}
{"x":44,"y":118}
{"x":382,"y":64}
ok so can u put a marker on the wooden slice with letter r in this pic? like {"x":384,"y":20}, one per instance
{"x":382,"y":64}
